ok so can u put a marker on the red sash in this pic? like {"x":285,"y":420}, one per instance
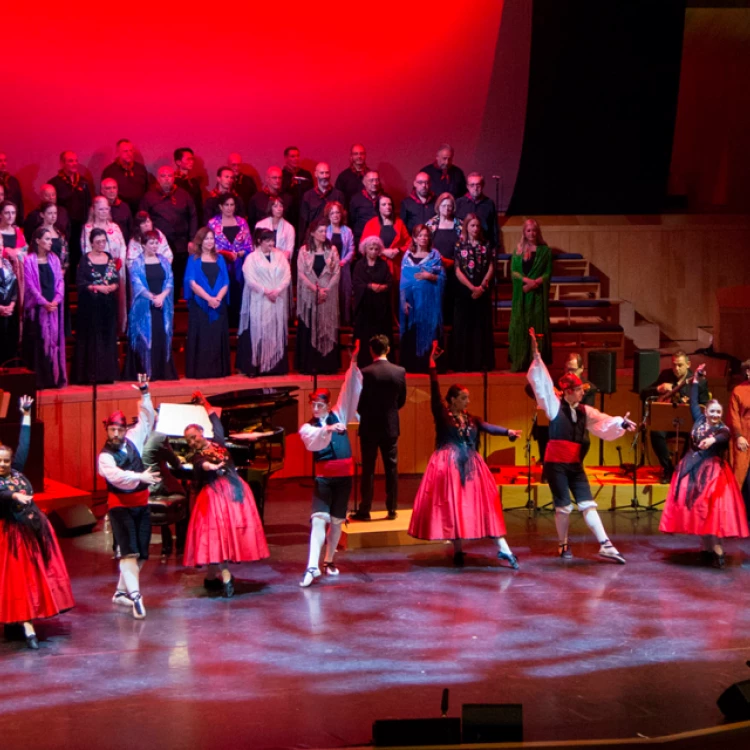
{"x":127,"y":499}
{"x":336,"y":467}
{"x":563,"y":452}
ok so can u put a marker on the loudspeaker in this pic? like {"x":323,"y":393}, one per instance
{"x":646,"y":368}
{"x":603,"y":370}
{"x":18,"y":381}
{"x":492,"y":722}
{"x":402,"y":732}
{"x":74,"y":520}
{"x":734,"y":702}
{"x":34,"y":469}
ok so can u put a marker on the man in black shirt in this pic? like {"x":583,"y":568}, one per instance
{"x":418,"y":207}
{"x":131,"y":177}
{"x":258,"y":207}
{"x":295,"y":181}
{"x":445,"y":176}
{"x":244,"y":185}
{"x":314,"y":200}
{"x":224,"y":184}
{"x":47,"y":194}
{"x":349,"y":182}
{"x":184,"y":161}
{"x":476,"y":202}
{"x":12,"y":188}
{"x":74,"y":194}
{"x":673,"y":386}
{"x":120,"y":211}
{"x":364,"y":205}
{"x":172,"y":211}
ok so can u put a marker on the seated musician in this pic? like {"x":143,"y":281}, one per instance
{"x":540,"y":433}
{"x":224,"y":526}
{"x":672,"y":386}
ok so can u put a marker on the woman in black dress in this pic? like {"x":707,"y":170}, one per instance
{"x":9,"y":311}
{"x":151,"y":317}
{"x":318,"y":271}
{"x":446,"y":233}
{"x":373,"y":284}
{"x":97,"y":280}
{"x":206,"y":291}
{"x":472,"y":347}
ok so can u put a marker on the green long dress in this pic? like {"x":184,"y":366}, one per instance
{"x":530,"y":310}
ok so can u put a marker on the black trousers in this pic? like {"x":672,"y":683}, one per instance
{"x":565,"y":479}
{"x":388,"y":448}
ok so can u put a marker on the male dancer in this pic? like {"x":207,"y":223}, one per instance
{"x":325,"y":435}
{"x":127,"y":481}
{"x":569,"y":422}
{"x":739,"y":423}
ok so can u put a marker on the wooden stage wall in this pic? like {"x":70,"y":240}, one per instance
{"x":69,"y":423}
{"x":668,"y":266}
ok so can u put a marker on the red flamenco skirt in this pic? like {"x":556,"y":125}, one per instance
{"x":30,"y":587}
{"x":446,"y":509}
{"x":716,"y":509}
{"x":223,"y":530}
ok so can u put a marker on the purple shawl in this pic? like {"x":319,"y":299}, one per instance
{"x":50,"y":323}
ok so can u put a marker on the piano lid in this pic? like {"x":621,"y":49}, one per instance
{"x":273,"y":398}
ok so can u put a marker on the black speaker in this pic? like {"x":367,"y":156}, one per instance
{"x":734,"y":702}
{"x":18,"y":381}
{"x":646,"y":369}
{"x":415,"y":732}
{"x":603,"y":370}
{"x":34,"y":469}
{"x":492,"y":722}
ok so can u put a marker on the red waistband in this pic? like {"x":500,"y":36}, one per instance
{"x":563,"y":452}
{"x":127,"y":499}
{"x":336,"y":467}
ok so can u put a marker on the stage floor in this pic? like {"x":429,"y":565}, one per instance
{"x":590,"y":649}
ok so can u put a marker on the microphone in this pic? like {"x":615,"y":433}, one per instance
{"x":497,"y":177}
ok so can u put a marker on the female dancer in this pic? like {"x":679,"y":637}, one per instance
{"x":458,"y":497}
{"x":33,"y":577}
{"x":225,"y":526}
{"x":704,"y":498}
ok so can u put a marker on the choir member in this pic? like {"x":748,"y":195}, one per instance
{"x":13,"y":246}
{"x":349,"y":182}
{"x":142,"y":224}
{"x":184,"y":161}
{"x":132,"y":178}
{"x":363,"y":205}
{"x":257,"y":209}
{"x":119,"y":210}
{"x":419,"y":206}
{"x":316,"y":198}
{"x":9,"y":311}
{"x":476,"y":202}
{"x":284,"y":231}
{"x":224,"y":186}
{"x":445,"y":176}
{"x":47,"y":194}
{"x":11,"y":186}
{"x":342,"y":238}
{"x":244,"y":185}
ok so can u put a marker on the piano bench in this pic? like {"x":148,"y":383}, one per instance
{"x":165,"y":511}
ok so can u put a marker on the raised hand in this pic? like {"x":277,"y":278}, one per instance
{"x":355,"y":351}
{"x":627,"y":424}
{"x":142,"y":384}
{"x":515,"y":433}
{"x":534,"y":344}
{"x":24,"y":404}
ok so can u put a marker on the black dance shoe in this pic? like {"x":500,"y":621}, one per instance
{"x":719,"y":561}
{"x":227,"y":588}
{"x":359,"y":516}
{"x":458,"y":559}
{"x":32,"y":642}
{"x":511,"y":559}
{"x":213,"y":584}
{"x":392,"y":515}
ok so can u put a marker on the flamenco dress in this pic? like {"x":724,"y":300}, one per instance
{"x":458,"y":496}
{"x":34,"y":582}
{"x":704,"y":498}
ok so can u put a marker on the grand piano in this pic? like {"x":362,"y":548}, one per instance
{"x":255,"y":422}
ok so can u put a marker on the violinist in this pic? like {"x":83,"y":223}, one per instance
{"x":672,"y":386}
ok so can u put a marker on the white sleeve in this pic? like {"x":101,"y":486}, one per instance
{"x":123,"y":480}
{"x":138,"y":434}
{"x":602,"y":425}
{"x":314,"y":438}
{"x":544,"y":389}
{"x":346,"y":406}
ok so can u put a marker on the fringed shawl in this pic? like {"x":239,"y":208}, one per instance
{"x":322,"y":319}
{"x":425,"y":298}
{"x":139,"y":324}
{"x":268,"y":321}
{"x":51,"y":324}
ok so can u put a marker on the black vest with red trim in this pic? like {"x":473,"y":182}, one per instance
{"x":127,"y":460}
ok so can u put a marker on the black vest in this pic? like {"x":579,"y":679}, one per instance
{"x":339,"y":447}
{"x":562,"y":426}
{"x":129,"y":460}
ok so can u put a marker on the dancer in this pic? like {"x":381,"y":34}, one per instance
{"x":121,"y":466}
{"x":458,"y":497}
{"x":33,"y":578}
{"x":738,"y":419}
{"x":569,"y":424}
{"x":325,"y":435}
{"x":703,"y":497}
{"x":225,"y":526}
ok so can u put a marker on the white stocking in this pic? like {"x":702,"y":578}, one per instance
{"x":317,"y":538}
{"x":129,"y":574}
{"x":28,"y":629}
{"x":334,"y":534}
{"x":503,"y":545}
{"x":591,"y":516}
{"x":226,"y":574}
{"x":562,"y":523}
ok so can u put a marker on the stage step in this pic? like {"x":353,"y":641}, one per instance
{"x":380,"y":532}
